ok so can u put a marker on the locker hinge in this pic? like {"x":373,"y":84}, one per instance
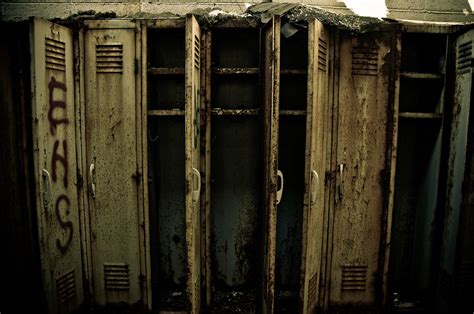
{"x":80,"y":179}
{"x":137,"y":64}
{"x":136,"y":177}
{"x":329,"y":175}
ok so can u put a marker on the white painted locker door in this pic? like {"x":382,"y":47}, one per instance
{"x":271,"y":94}
{"x":55,"y":164}
{"x":361,"y":160}
{"x":192,"y":163}
{"x":112,"y":147}
{"x":315,"y":165}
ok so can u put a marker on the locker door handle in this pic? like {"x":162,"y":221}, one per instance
{"x":280,"y":191}
{"x":341,"y":180}
{"x":91,"y":179}
{"x":197,"y":192}
{"x":47,"y":188}
{"x":314,"y":186}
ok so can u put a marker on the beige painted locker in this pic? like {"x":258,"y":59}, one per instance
{"x":297,"y":151}
{"x":192,"y":163}
{"x":55,"y":164}
{"x":117,"y":221}
{"x":456,"y":269}
{"x":272,"y":191}
{"x":172,"y":100}
{"x":359,"y":221}
{"x":317,"y":128}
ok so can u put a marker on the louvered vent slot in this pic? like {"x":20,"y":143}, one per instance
{"x":313,"y":290}
{"x":66,"y":287}
{"x":464,"y":57}
{"x":197,"y":54}
{"x":55,"y":52}
{"x":109,"y":58}
{"x":116,"y":276}
{"x":322,"y":55}
{"x":364,"y":60}
{"x":465,"y":276}
{"x":354,"y":277}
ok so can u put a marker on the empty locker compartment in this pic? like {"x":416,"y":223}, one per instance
{"x":235,"y":169}
{"x":166,"y":156}
{"x":420,"y":132}
{"x":291,"y":162}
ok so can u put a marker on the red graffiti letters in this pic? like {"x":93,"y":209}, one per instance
{"x":63,"y":159}
{"x":63,"y":223}
{"x":53,"y":104}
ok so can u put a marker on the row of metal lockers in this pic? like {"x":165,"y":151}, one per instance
{"x":240,"y":167}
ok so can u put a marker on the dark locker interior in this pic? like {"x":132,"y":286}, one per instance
{"x":235,"y":169}
{"x":166,"y":168}
{"x":420,"y":136}
{"x":291,"y":161}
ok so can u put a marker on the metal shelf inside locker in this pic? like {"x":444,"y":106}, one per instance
{"x":165,"y":71}
{"x":235,"y":71}
{"x":422,"y":76}
{"x":293,"y":71}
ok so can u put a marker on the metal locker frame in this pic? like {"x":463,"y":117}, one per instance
{"x":457,"y":261}
{"x":192,"y":161}
{"x":315,"y":165}
{"x":363,"y":64}
{"x":57,"y":187}
{"x":110,"y":50}
{"x":271,"y":91}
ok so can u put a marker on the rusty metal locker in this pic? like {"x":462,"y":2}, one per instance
{"x":192,"y":162}
{"x":302,"y":140}
{"x":317,"y":129}
{"x":457,"y":259}
{"x":363,"y":146}
{"x":231,"y":153}
{"x":117,"y":222}
{"x":173,"y":92}
{"x":271,"y":193}
{"x":55,"y":164}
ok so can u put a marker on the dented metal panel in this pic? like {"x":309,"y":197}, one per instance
{"x":54,"y":140}
{"x":361,"y":160}
{"x":315,"y":164}
{"x":113,"y":176}
{"x":456,"y":216}
{"x":192,"y":163}
{"x":271,"y":93}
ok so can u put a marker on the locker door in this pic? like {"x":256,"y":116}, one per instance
{"x":458,"y":235}
{"x":271,"y":192}
{"x":314,"y":164}
{"x":54,"y":141}
{"x":192,"y":162}
{"x":361,"y":162}
{"x":112,"y":156}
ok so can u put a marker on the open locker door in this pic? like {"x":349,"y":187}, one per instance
{"x":314,"y":165}
{"x":457,"y":256}
{"x":271,"y":192}
{"x":363,"y":113}
{"x":192,"y":163}
{"x":55,"y":164}
{"x":112,"y":145}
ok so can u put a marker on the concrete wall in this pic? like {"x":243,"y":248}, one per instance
{"x":429,"y":10}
